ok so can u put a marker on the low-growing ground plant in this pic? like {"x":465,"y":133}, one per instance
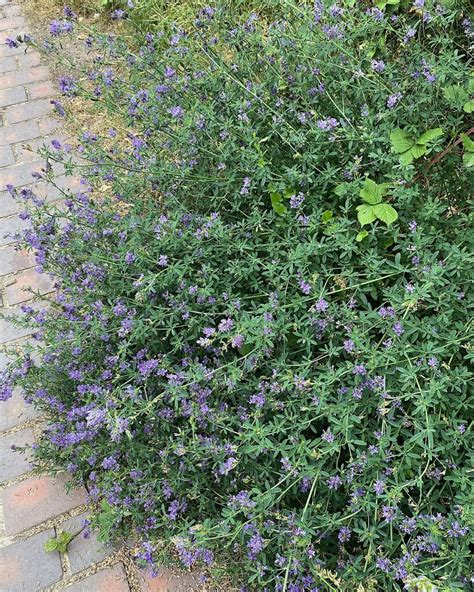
{"x":258,"y":352}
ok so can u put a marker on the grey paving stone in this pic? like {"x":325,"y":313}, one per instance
{"x":83,"y":552}
{"x":27,"y":567}
{"x":14,"y":463}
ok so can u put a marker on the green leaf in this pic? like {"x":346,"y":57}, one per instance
{"x":430,"y":135}
{"x":468,"y":159}
{"x":275,"y":198}
{"x":467,"y":143}
{"x":418,"y":150}
{"x":340,"y":189}
{"x":326,"y":216}
{"x":366,"y":214}
{"x":371,"y":192}
{"x":361,"y":235}
{"x":468,"y":107}
{"x":279,"y":208}
{"x":401,"y":141}
{"x":386,"y":213}
{"x":455,"y":94}
{"x":406,"y":158}
{"x":59,"y":543}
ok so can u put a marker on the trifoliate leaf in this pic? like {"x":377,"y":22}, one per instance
{"x":371,"y":192}
{"x":386,"y":213}
{"x":418,"y":150}
{"x":455,"y":94}
{"x":406,"y":157}
{"x":401,"y":141}
{"x":468,"y":159}
{"x":467,"y":143}
{"x":279,"y":208}
{"x":361,"y":235}
{"x":366,"y":214}
{"x":430,"y":135}
{"x":59,"y":543}
{"x":468,"y":107}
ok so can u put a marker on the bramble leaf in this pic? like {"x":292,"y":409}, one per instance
{"x":467,"y":143}
{"x":59,"y":543}
{"x":468,"y":159}
{"x":430,"y":135}
{"x":386,"y":213}
{"x":468,"y":107}
{"x":406,"y":158}
{"x":455,"y":94}
{"x":418,"y":150}
{"x":366,"y":214}
{"x":401,"y":141}
{"x":371,"y":192}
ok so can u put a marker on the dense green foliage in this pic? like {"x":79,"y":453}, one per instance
{"x":259,"y":348}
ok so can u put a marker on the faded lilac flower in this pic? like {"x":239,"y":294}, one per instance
{"x":393,"y":99}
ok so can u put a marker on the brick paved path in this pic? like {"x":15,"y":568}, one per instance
{"x":32,"y":508}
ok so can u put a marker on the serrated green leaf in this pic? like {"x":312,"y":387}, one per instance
{"x":371,"y":192}
{"x":468,"y":107}
{"x":279,"y":208}
{"x":418,"y":150}
{"x":455,"y":94}
{"x":275,"y":198}
{"x":326,"y":216}
{"x":361,"y":235}
{"x":385,"y":213}
{"x":406,"y":158}
{"x":365,"y":214}
{"x":401,"y":141}
{"x":467,"y":143}
{"x":468,"y":159}
{"x":340,"y":189}
{"x":59,"y":543}
{"x":430,"y":135}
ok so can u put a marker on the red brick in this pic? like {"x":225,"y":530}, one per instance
{"x":11,"y":96}
{"x":12,"y":463}
{"x":17,"y":292}
{"x":112,"y":579}
{"x":19,"y":132}
{"x":7,"y":64}
{"x":20,"y":174}
{"x":23,"y":77}
{"x":168,"y":581}
{"x":83,"y":552}
{"x":30,"y":110}
{"x":6,"y":156}
{"x":13,"y":22}
{"x":37,"y":499}
{"x":15,"y":412}
{"x":41,"y":90}
{"x":26,"y":566}
{"x":12,"y":260}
